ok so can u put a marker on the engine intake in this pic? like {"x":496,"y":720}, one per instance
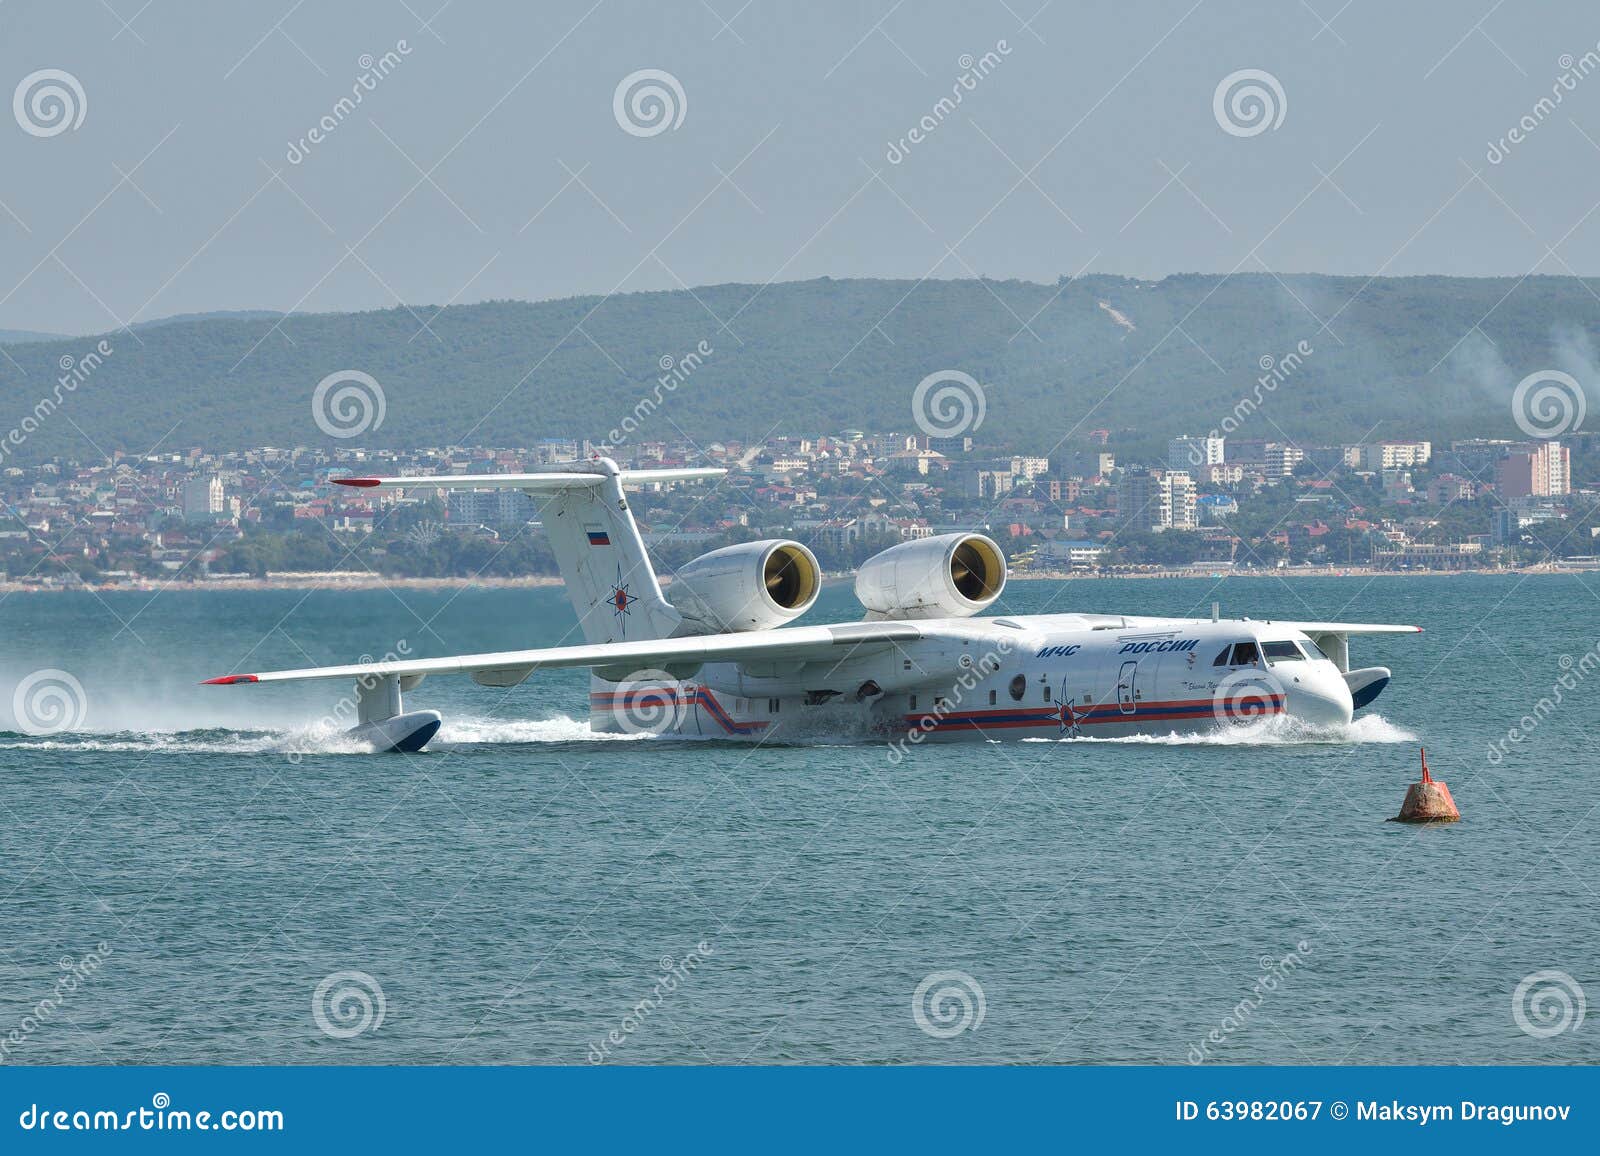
{"x":751,"y":586}
{"x":951,"y":576}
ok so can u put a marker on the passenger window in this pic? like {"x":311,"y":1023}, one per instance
{"x":1018,"y":688}
{"x":1046,"y":694}
{"x":912,"y":702}
{"x":991,"y":698}
{"x":1244,"y":654}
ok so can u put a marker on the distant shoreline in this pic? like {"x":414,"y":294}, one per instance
{"x":355,"y":581}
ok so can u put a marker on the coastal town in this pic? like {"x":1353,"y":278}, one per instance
{"x":1208,"y":505}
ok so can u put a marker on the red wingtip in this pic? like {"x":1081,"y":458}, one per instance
{"x":361,"y":483}
{"x":230,"y":679}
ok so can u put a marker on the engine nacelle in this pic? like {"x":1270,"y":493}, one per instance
{"x":751,"y":586}
{"x":951,"y":576}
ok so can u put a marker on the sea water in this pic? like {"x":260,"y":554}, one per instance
{"x":217,"y":874}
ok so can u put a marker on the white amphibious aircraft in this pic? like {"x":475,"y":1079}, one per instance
{"x":708,"y":659}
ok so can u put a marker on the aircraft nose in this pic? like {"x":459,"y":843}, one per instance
{"x":1319,"y":697}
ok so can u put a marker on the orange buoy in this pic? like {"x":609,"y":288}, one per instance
{"x":1428,"y":801}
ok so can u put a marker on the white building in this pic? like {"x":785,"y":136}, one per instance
{"x":1178,"y":501}
{"x":1282,"y":459}
{"x":1220,"y":475}
{"x":490,"y":508}
{"x":1190,"y":453}
{"x":1395,"y":455}
{"x":202,"y":499}
{"x":1158,"y":500}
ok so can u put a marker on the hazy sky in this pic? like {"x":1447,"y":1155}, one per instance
{"x":490,"y":161}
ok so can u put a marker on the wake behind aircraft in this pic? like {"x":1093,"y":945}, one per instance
{"x":714,"y":657}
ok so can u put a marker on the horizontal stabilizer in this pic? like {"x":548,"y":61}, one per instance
{"x":593,"y":535}
{"x":545,"y":483}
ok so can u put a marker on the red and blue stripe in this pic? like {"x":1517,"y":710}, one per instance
{"x":1178,"y":710}
{"x":618,"y":700}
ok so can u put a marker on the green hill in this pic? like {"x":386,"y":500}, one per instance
{"x":14,"y":336}
{"x":1429,"y":356}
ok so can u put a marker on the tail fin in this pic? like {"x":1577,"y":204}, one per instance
{"x":594,"y":537}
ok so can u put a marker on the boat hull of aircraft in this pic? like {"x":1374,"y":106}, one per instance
{"x":1049,"y":677}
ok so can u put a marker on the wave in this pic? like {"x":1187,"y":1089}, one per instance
{"x":1279,"y":731}
{"x":320,"y":739}
{"x":206,"y":741}
{"x":468,"y":731}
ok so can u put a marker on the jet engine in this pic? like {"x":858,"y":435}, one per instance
{"x":951,"y":576}
{"x":751,"y":586}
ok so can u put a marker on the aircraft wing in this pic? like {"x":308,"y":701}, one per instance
{"x":1346,"y":628}
{"x":509,"y":667}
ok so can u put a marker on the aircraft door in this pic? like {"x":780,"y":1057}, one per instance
{"x":1127,"y":687}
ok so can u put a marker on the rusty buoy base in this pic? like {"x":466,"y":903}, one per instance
{"x":1428,"y":801}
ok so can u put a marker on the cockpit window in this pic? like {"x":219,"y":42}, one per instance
{"x":1244,"y":654}
{"x":1222,"y":659}
{"x":1313,"y":651}
{"x":1277,"y":652}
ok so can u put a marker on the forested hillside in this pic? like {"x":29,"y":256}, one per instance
{"x":1427,"y":356}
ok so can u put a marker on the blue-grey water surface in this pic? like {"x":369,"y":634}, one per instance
{"x":514,"y":891}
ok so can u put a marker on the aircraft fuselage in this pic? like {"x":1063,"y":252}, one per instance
{"x":1020,"y":677}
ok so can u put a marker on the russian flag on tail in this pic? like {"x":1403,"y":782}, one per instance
{"x":597,"y":536}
